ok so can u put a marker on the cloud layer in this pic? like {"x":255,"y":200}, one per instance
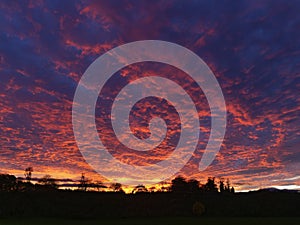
{"x":252,"y":47}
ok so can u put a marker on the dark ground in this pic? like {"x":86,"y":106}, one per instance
{"x":94,"y":205}
{"x":158,"y":221}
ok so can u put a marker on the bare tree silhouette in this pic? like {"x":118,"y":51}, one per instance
{"x":48,"y":181}
{"x":28,"y":173}
{"x":83,"y":183}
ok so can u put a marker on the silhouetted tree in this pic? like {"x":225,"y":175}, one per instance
{"x":227,"y":187}
{"x":232,"y":190}
{"x":8,"y":182}
{"x":48,"y":182}
{"x":25,"y":186}
{"x":116,"y":187}
{"x":28,"y":173}
{"x":221,"y":185}
{"x":193,"y":185}
{"x":139,"y":188}
{"x":83,"y":183}
{"x":179,"y":185}
{"x":210,"y":185}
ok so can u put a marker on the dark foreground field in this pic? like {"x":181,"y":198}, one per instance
{"x":158,"y":221}
{"x":94,"y":206}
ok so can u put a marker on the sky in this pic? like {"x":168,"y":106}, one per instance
{"x":252,"y":47}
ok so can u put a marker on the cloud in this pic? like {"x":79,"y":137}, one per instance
{"x":252,"y":47}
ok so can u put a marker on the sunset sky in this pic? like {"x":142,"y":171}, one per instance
{"x":252,"y":47}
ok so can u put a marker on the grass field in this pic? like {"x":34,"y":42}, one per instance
{"x":156,"y":221}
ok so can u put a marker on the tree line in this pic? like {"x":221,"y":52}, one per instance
{"x":41,"y":197}
{"x":178,"y":185}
